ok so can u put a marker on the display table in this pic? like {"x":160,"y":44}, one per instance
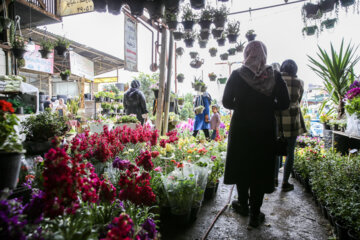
{"x":344,"y":141}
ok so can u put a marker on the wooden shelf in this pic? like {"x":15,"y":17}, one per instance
{"x":346,"y":135}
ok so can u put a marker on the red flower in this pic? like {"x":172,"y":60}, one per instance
{"x":6,"y":106}
{"x":121,"y":229}
{"x":144,"y":160}
{"x":154,"y":154}
{"x":107,"y":191}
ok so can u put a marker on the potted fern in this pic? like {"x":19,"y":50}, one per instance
{"x":46,"y":48}
{"x":62,"y":46}
{"x":233,"y":29}
{"x":65,"y":75}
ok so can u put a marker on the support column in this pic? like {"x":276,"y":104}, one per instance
{"x":175,"y":68}
{"x":160,"y":100}
{"x":168,"y":85}
{"x":82,"y":91}
{"x":49,"y":86}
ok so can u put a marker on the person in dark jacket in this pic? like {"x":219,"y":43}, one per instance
{"x":254,"y":92}
{"x":135,"y":102}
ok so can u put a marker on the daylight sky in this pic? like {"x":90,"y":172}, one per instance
{"x":279,"y":28}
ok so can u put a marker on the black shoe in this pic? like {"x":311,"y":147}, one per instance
{"x":241,"y":209}
{"x":286,"y":187}
{"x":256,"y":219}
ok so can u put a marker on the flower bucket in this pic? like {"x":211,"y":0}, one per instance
{"x":232,"y":51}
{"x":180,"y":79}
{"x":193,"y":55}
{"x":9,"y":169}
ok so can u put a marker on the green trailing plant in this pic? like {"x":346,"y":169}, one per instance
{"x":188,"y":14}
{"x":47,"y":45}
{"x":19,"y":43}
{"x":62,"y":42}
{"x":207,"y":14}
{"x":66,"y":73}
{"x":233,"y":28}
{"x":336,"y":71}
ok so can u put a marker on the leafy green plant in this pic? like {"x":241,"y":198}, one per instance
{"x":127,"y":119}
{"x":47,"y":45}
{"x":62,"y":42}
{"x":66,"y":72}
{"x":19,"y":43}
{"x":188,"y":14}
{"x":73,"y":106}
{"x":207,"y":14}
{"x":233,"y":28}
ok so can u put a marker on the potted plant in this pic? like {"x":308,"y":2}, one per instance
{"x":212,"y":76}
{"x":221,"y":41}
{"x":21,"y":62}
{"x":11,"y":149}
{"x":189,"y":39}
{"x":232,"y":51}
{"x":62,"y":46}
{"x":203,"y":88}
{"x":327,"y":5}
{"x":220,"y":16}
{"x":328,"y":23}
{"x":180,"y":77}
{"x":206,"y":18}
{"x":65,"y":75}
{"x":99,"y":96}
{"x":224,"y":56}
{"x":171,"y":21}
{"x":114,"y":6}
{"x":179,"y":51}
{"x":46,"y":48}
{"x":250,"y":35}
{"x":99,"y":5}
{"x":193,"y":55}
{"x":233,"y":29}
{"x":180,"y":101}
{"x":213,"y":51}
{"x":197,"y":4}
{"x":155,"y":88}
{"x":310,"y":10}
{"x":196,"y":63}
{"x":202,"y":43}
{"x":154,"y":8}
{"x":204,"y":35}
{"x":130,"y":121}
{"x":18,"y":47}
{"x":222,"y":80}
{"x":171,"y":5}
{"x":217,"y":33}
{"x":119,"y":97}
{"x":310,"y":30}
{"x":105,"y":107}
{"x":347,"y":3}
{"x":136,"y":7}
{"x":198,"y":83}
{"x":178,"y":35}
{"x":199,"y":110}
{"x":188,"y":18}
{"x":240,"y":46}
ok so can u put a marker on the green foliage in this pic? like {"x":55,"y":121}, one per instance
{"x":111,"y":87}
{"x":217,"y":171}
{"x":73,"y":106}
{"x":66,"y":72}
{"x":207,"y":14}
{"x":62,"y":42}
{"x":353,"y":106}
{"x":127,"y":119}
{"x":188,"y":14}
{"x":47,"y":45}
{"x":19,"y":43}
{"x":233,"y":27}
{"x":9,"y":141}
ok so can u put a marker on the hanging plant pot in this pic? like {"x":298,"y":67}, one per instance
{"x":220,"y":22}
{"x":136,"y":7}
{"x":216,"y":33}
{"x":114,"y":6}
{"x":99,"y":5}
{"x":179,"y":51}
{"x":180,"y":101}
{"x":197,"y":4}
{"x":310,"y":10}
{"x":189,"y":42}
{"x":222,"y":80}
{"x":171,"y":5}
{"x":204,"y":35}
{"x":45,"y":53}
{"x":327,"y":5}
{"x":221,"y":42}
{"x":177,"y":36}
{"x":213,"y":52}
{"x":232,"y":38}
{"x":180,"y":77}
{"x":347,"y":3}
{"x":224,"y":56}
{"x":18,"y":53}
{"x":154,"y":67}
{"x":61,"y":50}
{"x":172,"y":25}
{"x":232,"y":51}
{"x":212,"y":78}
{"x":250,"y":37}
{"x":188,"y":25}
{"x":193,"y":55}
{"x":310,"y":30}
{"x":240,"y":48}
{"x":203,"y":88}
{"x":64,"y":77}
{"x":6,"y":23}
{"x":196,"y":63}
{"x":197,"y":88}
{"x":10,"y":169}
{"x":205,"y":24}
{"x":155,"y":9}
{"x":202,"y":44}
{"x":329,"y":23}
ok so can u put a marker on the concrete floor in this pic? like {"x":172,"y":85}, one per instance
{"x":292,"y":215}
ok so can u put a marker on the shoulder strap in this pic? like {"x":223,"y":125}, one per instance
{"x":281,"y":130}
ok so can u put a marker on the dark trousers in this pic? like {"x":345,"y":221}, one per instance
{"x":206,"y":132}
{"x":254,"y":199}
{"x":213,"y":135}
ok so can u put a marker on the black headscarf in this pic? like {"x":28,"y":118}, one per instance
{"x":135,"y":84}
{"x":289,"y":66}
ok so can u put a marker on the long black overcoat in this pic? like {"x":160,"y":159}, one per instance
{"x":250,"y":153}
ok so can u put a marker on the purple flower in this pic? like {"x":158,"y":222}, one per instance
{"x":121,"y":164}
{"x":353,"y":93}
{"x":10,"y":220}
{"x":35,"y":208}
{"x":356,"y":84}
{"x":222,"y":125}
{"x":148,"y":230}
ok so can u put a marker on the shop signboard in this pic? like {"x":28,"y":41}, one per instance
{"x":34,"y":61}
{"x":130,"y":44}
{"x":71,"y":7}
{"x":81,"y":66}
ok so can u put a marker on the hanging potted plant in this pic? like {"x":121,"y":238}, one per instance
{"x":180,"y":77}
{"x":198,"y":84}
{"x":197,"y":4}
{"x":18,"y":47}
{"x":6,"y":22}
{"x":136,"y":7}
{"x":213,"y":51}
{"x":250,"y":35}
{"x":328,"y":23}
{"x":188,"y":18}
{"x":206,"y":18}
{"x":62,"y":46}
{"x":178,"y":35}
{"x":233,"y":29}
{"x":193,"y":55}
{"x":204,"y":35}
{"x":347,"y":3}
{"x":179,"y":51}
{"x":212,"y":77}
{"x":65,"y":75}
{"x":202,"y":43}
{"x":240,"y":46}
{"x":327,"y":5}
{"x":21,"y":62}
{"x":99,"y":5}
{"x":114,"y":6}
{"x":171,"y":5}
{"x":221,"y":41}
{"x":224,"y":56}
{"x":196,"y":63}
{"x":310,"y":10}
{"x":222,"y":80}
{"x":11,"y":149}
{"x":180,"y":101}
{"x":155,"y":89}
{"x":171,"y":21}
{"x":154,"y":8}
{"x":310,"y":30}
{"x":220,"y":16}
{"x":203,"y":88}
{"x":232,"y":51}
{"x":46,"y":48}
{"x":189,"y":39}
{"x":217,"y":33}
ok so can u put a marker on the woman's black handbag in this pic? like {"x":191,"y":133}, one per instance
{"x":281,"y":143}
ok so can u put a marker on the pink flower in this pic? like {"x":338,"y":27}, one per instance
{"x":158,"y":169}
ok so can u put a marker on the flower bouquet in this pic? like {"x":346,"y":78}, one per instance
{"x":199,"y":110}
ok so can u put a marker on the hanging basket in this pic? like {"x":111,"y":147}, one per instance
{"x":347,"y":3}
{"x":327,"y":5}
{"x":213,"y":52}
{"x":45,"y":53}
{"x":224,"y":56}
{"x":197,"y":4}
{"x":114,"y":6}
{"x":9,"y":169}
{"x":250,"y":37}
{"x":329,"y":23}
{"x":232,"y":51}
{"x":311,"y":30}
{"x":196,"y":63}
{"x":179,"y":51}
{"x":136,"y":7}
{"x":204,"y":35}
{"x":232,"y":38}
{"x":217,"y":33}
{"x":188,"y":25}
{"x":61,"y":50}
{"x":203,"y":88}
{"x":202,"y":44}
{"x":197,"y":87}
{"x":221,"y":42}
{"x":172,"y":25}
{"x":18,"y":53}
{"x":222,"y":80}
{"x":180,"y":101}
{"x":99,"y":5}
{"x":212,"y":78}
{"x":177,"y":36}
{"x":193,"y":55}
{"x":171,"y":5}
{"x":189,"y":42}
{"x":310,"y":10}
{"x":205,"y":24}
{"x":180,"y":78}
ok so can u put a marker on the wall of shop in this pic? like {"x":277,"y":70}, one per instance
{"x":37,"y":80}
{"x":69,"y":89}
{"x":2,"y":63}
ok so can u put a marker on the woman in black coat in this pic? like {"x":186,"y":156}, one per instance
{"x":135,"y":102}
{"x":254,"y":92}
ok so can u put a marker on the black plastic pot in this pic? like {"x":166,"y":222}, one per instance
{"x":221,"y":42}
{"x":310,"y":10}
{"x":188,"y":25}
{"x":171,"y":5}
{"x":205,"y":24}
{"x":155,"y":9}
{"x":342,"y":230}
{"x":216,"y":33}
{"x":189,"y":42}
{"x":224,"y":56}
{"x":250,"y":37}
{"x":326,"y":126}
{"x":212,"y":78}
{"x":329,"y":23}
{"x":9,"y":169}
{"x":45,"y":53}
{"x":172,"y":25}
{"x":209,"y":193}
{"x":61,"y":50}
{"x":37,"y":147}
{"x":156,"y":92}
{"x":99,"y":5}
{"x":193,"y":55}
{"x":232,"y":51}
{"x":195,"y":210}
{"x":64,"y":77}
{"x":99,"y":99}
{"x":177,"y":36}
{"x":213,"y":52}
{"x":327,"y":5}
{"x":181,"y":220}
{"x":18,"y":53}
{"x":232,"y":38}
{"x":114,"y":6}
{"x":180,"y":79}
{"x":204,"y":35}
{"x":347,"y":3}
{"x":136,"y":7}
{"x":219,"y":22}
{"x":202,"y":44}
{"x":165,"y":213}
{"x":20,"y":110}
{"x":197,"y":4}
{"x":310,"y":30}
{"x":179,"y":51}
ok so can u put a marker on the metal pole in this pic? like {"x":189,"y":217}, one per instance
{"x":175,"y":68}
{"x":168,"y":85}
{"x":160,"y":100}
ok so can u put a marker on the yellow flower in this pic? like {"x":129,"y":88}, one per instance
{"x":169,"y":148}
{"x":131,"y":150}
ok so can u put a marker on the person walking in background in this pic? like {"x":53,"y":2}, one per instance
{"x":254,"y":91}
{"x":215,"y":121}
{"x":61,"y":108}
{"x":47,"y":103}
{"x":202,"y":120}
{"x":292,"y":120}
{"x":135,"y":102}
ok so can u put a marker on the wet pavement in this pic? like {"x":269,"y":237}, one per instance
{"x":292,"y":215}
